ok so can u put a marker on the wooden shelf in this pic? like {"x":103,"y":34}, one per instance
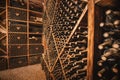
{"x":36,"y":44}
{"x":16,"y":44}
{"x":3,"y":56}
{"x":36,"y":12}
{"x":18,"y":20}
{"x":35,"y":33}
{"x":17,"y":8}
{"x":37,"y":23}
{"x":36,"y":54}
{"x":18,"y":56}
{"x":18,"y":32}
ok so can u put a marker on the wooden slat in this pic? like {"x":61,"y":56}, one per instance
{"x":91,"y":5}
{"x":46,"y":63}
{"x":2,"y":37}
{"x":3,"y":50}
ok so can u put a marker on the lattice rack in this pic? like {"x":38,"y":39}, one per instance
{"x":81,"y":39}
{"x":21,"y":29}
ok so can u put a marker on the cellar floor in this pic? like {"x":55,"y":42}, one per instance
{"x":31,"y":72}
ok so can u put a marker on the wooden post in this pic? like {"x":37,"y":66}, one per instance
{"x":91,"y":25}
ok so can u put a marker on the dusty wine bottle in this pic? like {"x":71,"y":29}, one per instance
{"x":111,"y":12}
{"x":114,"y":34}
{"x":107,"y":42}
{"x":116,"y":68}
{"x":107,"y":26}
{"x":110,"y":52}
{"x":103,"y":72}
{"x":111,"y":15}
{"x":116,"y":44}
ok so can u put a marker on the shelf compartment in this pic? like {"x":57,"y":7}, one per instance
{"x":36,"y":5}
{"x":17,"y":50}
{"x":17,"y":14}
{"x":35,"y":38}
{"x":35,"y":17}
{"x":17,"y":26}
{"x":3,"y":63}
{"x":33,"y":28}
{"x":36,"y":49}
{"x":35,"y":59}
{"x":57,"y":71}
{"x":15,"y":62}
{"x":14,"y":38}
{"x":18,"y":3}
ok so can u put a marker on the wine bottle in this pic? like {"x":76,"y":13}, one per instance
{"x":81,"y":62}
{"x":116,"y":44}
{"x":78,"y":38}
{"x":103,"y":72}
{"x":78,"y":49}
{"x":111,"y":12}
{"x":80,"y":76}
{"x":78,"y":68}
{"x":83,"y":33}
{"x":22,"y":2}
{"x":68,"y":66}
{"x":76,"y":58}
{"x":110,"y":52}
{"x":114,"y":34}
{"x":82,"y":70}
{"x":72,"y":70}
{"x":81,"y":42}
{"x":107,"y":26}
{"x":100,"y":62}
{"x":107,"y":34}
{"x":81,"y":53}
{"x":110,"y":62}
{"x":116,"y":68}
{"x":117,"y":23}
{"x":111,"y":16}
{"x":107,"y":42}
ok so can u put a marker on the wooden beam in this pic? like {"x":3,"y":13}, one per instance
{"x":91,"y":25}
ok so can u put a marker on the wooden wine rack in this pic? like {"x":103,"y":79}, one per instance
{"x":55,"y":54}
{"x":21,"y":29}
{"x":55,"y":45}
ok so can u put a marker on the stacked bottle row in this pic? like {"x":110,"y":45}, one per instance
{"x":74,"y":56}
{"x":110,"y":47}
{"x":47,"y":72}
{"x":64,"y":41}
{"x":65,"y":18}
{"x":57,"y":72}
